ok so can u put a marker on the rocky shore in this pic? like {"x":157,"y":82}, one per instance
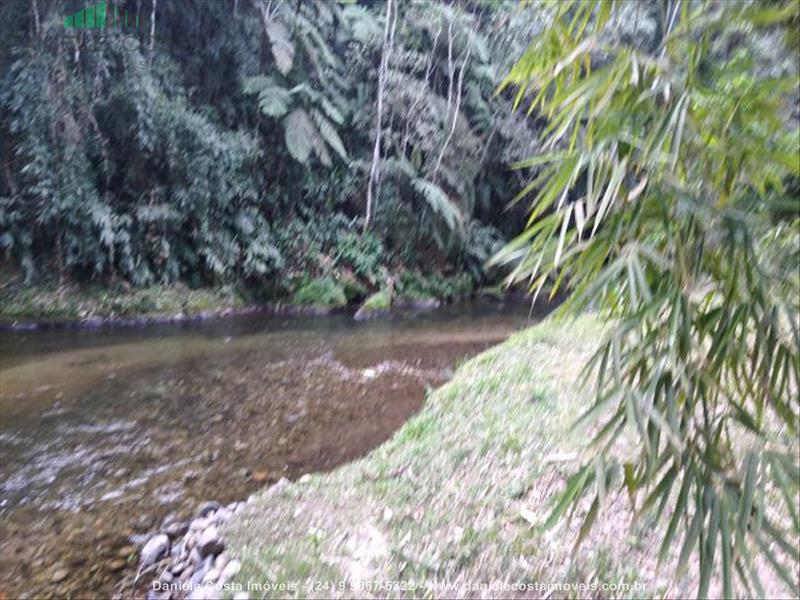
{"x":187,"y":559}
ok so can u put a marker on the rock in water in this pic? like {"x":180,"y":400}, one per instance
{"x":59,"y":576}
{"x":156,"y":547}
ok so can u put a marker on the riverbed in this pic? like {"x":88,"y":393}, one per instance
{"x":105,"y":433}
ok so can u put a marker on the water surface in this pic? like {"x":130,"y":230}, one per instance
{"x":104,"y":433}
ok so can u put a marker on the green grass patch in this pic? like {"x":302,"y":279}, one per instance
{"x":323,"y":292}
{"x":461,"y":492}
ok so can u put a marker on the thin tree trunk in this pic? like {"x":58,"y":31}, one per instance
{"x":374,"y":172}
{"x":152,"y":30}
{"x":456,"y":109}
{"x":37,"y":24}
{"x":450,"y":67}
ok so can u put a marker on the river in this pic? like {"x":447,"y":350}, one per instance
{"x":106,"y":432}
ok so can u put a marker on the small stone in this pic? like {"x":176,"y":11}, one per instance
{"x":200,"y":572}
{"x":179,"y":567}
{"x":208,"y":507}
{"x":211,"y":576}
{"x":116,"y":565}
{"x":59,"y":575}
{"x":156,"y":547}
{"x":241,"y":596}
{"x":170,"y":518}
{"x":230,"y":570}
{"x":387,"y":514}
{"x":221,"y":561}
{"x":176,"y":529}
{"x":260,"y":476}
{"x":166,"y":577}
{"x":199,"y":524}
{"x":305,"y":478}
{"x":126,"y":551}
{"x":221,"y":516}
{"x":209,"y":542}
{"x":144,"y":523}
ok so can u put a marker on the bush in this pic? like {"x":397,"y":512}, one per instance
{"x":417,"y":286}
{"x":362,"y":253}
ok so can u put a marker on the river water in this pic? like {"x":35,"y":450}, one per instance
{"x":104,"y":433}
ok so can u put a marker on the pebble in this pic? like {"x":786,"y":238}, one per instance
{"x":200,"y":572}
{"x":126,"y":551}
{"x":176,"y":529}
{"x":260,"y":476}
{"x":116,"y":565}
{"x":211,"y":576}
{"x":156,"y":547}
{"x":230,"y":570}
{"x":208,"y":507}
{"x":59,"y":575}
{"x":209,"y":542}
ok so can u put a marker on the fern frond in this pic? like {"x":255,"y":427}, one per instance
{"x":282,"y":45}
{"x":440,"y":203}
{"x":273,"y":100}
{"x":329,"y":134}
{"x":299,"y":133}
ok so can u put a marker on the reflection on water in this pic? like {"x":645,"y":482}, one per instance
{"x":104,"y":433}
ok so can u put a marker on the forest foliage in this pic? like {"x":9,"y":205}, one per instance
{"x":233,"y":140}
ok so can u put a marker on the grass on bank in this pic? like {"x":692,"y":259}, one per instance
{"x":459,"y":495}
{"x":456,"y":495}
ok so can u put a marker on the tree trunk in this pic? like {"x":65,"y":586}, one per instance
{"x":152,"y":30}
{"x":456,"y":109}
{"x":374,"y":172}
{"x":37,"y":25}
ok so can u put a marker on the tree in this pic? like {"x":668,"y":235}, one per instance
{"x":386,"y":53}
{"x":667,"y":188}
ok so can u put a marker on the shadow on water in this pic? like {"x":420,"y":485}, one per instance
{"x":105,"y":433}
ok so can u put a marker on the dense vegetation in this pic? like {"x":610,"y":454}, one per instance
{"x":271,"y":145}
{"x":668,"y":197}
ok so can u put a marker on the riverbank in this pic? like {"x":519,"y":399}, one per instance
{"x":25,"y":307}
{"x":458,"y":497}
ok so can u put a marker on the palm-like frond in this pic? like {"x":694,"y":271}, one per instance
{"x":654,"y":186}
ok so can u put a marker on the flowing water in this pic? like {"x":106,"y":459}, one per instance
{"x":106,"y":432}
